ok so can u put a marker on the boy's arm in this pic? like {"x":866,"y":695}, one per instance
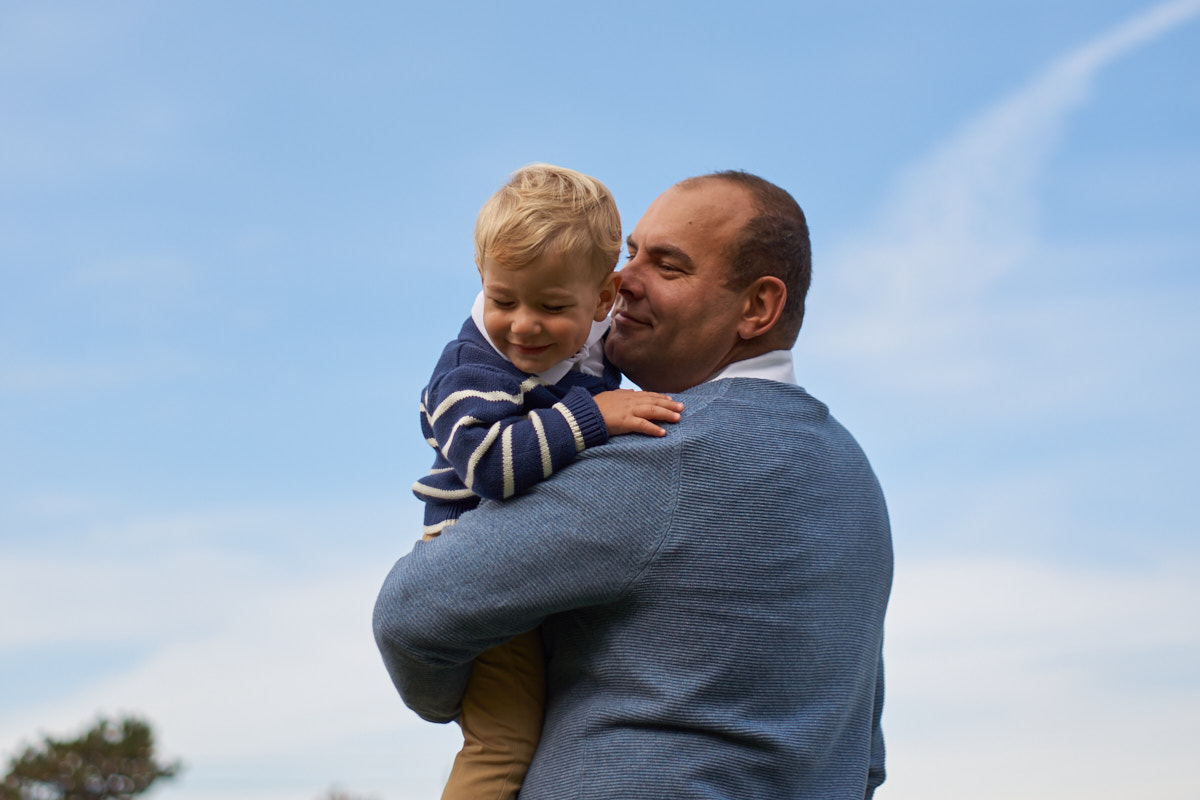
{"x":495,"y":446}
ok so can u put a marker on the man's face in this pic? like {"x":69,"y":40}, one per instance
{"x":674,"y":321}
{"x":542,"y":313}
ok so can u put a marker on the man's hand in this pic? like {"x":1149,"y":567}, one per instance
{"x":629,"y":411}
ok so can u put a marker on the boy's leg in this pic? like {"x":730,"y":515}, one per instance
{"x":501,"y":721}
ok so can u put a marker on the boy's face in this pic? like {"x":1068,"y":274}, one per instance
{"x":542,"y":313}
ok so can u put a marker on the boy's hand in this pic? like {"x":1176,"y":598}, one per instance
{"x":629,"y":411}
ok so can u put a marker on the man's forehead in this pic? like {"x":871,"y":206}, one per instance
{"x":704,"y":208}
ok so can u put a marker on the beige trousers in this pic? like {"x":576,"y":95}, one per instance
{"x":501,"y":721}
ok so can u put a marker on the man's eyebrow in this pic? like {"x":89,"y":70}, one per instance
{"x":672,"y":252}
{"x":662,"y":251}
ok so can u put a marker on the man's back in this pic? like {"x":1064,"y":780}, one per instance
{"x":712,"y":605}
{"x":742,"y":660}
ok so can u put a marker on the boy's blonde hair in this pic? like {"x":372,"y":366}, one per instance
{"x":549,"y":209}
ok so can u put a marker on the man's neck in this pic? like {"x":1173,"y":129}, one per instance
{"x":773,"y":365}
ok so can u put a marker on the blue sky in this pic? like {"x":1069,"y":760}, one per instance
{"x":233,"y":238}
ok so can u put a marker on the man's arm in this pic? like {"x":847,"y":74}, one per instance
{"x":433,"y":690}
{"x":577,"y":540}
{"x":876,"y":772}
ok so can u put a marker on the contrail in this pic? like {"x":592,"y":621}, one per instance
{"x":1132,"y":34}
{"x":965,"y":214}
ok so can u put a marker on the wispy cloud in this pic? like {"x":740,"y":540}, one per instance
{"x":963,"y":218}
{"x":1037,"y":675}
{"x":43,"y":37}
{"x":63,"y":119}
{"x":95,"y":298}
{"x":1053,"y":681}
{"x":136,"y":272}
{"x":44,"y":377}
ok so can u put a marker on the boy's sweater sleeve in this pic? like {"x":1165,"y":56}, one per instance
{"x":496,"y":446}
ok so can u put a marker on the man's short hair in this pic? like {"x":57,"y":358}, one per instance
{"x":774,"y":242}
{"x":548,"y":209}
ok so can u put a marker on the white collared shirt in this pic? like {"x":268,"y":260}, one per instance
{"x":775,"y":365}
{"x":590,"y":357}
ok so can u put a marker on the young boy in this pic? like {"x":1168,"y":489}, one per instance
{"x":521,"y":391}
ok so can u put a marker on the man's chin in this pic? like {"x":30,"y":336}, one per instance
{"x":613,"y":346}
{"x":618,"y":350}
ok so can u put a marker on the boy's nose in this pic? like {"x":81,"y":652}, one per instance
{"x":524,"y":322}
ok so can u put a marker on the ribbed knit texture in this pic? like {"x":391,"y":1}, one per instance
{"x":497,"y":430}
{"x":712,"y":606}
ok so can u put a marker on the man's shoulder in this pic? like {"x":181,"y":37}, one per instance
{"x":730,"y":412}
{"x":734,"y":396}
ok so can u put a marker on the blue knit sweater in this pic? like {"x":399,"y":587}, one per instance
{"x":498,"y":430}
{"x":711,"y":603}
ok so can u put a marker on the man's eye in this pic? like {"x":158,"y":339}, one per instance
{"x":555,"y":309}
{"x":503,"y":303}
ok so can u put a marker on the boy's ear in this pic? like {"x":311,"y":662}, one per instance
{"x":608,"y":294}
{"x":763,"y":303}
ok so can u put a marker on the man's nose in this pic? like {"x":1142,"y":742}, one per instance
{"x":631,"y":279}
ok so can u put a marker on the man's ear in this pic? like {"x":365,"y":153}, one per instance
{"x":763,"y":302}
{"x":608,"y":294}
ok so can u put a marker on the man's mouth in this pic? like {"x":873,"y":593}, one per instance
{"x":623,"y":317}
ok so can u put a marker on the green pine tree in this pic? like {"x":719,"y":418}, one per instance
{"x":113,"y":760}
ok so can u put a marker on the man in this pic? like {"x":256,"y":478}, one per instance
{"x":711,"y":602}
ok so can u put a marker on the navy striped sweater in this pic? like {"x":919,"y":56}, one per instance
{"x":496,"y":430}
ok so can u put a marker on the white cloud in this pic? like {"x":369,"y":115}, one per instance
{"x":1039,"y":610}
{"x":1019,"y":679}
{"x":279,"y":662}
{"x":118,"y":598}
{"x":247,"y":646}
{"x":1027,"y":658}
{"x":148,"y":579}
